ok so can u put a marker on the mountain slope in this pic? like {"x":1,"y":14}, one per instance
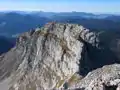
{"x":56,"y":56}
{"x":12,"y":23}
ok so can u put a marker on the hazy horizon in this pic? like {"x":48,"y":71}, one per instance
{"x":89,"y":6}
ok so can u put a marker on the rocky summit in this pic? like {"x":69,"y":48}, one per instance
{"x":59,"y":56}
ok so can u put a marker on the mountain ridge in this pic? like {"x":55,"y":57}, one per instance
{"x":56,"y":56}
{"x":12,"y":23}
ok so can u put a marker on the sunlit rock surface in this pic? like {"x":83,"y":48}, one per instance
{"x":105,"y":78}
{"x":56,"y":56}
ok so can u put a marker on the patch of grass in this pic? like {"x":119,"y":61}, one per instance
{"x":44,"y":33}
{"x":65,"y":48}
{"x":63,"y":44}
{"x":75,"y":78}
{"x":60,"y":83}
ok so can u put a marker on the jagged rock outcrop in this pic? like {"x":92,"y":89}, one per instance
{"x":56,"y":56}
{"x":105,"y":78}
{"x":46,"y":58}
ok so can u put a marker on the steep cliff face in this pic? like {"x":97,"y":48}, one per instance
{"x":56,"y":56}
{"x":51,"y":57}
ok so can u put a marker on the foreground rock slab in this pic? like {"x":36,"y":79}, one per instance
{"x":105,"y":78}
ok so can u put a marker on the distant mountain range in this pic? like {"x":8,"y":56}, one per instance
{"x":12,"y":23}
{"x":84,"y":55}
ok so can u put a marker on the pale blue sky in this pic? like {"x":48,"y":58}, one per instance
{"x":100,"y":6}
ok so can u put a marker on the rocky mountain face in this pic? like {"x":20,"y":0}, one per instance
{"x":60,"y":56}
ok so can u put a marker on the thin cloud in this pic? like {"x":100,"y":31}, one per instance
{"x":62,"y":6}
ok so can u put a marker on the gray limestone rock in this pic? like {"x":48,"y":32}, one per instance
{"x":105,"y":78}
{"x":55,"y":57}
